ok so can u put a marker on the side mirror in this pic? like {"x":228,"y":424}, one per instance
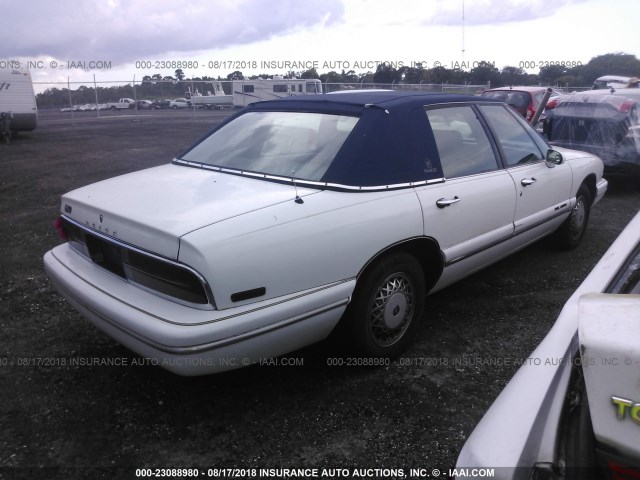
{"x":553,"y":158}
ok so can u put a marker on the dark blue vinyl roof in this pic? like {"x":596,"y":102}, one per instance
{"x":391,"y":144}
{"x":389,"y":100}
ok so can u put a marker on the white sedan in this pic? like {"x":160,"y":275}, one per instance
{"x":297,"y":214}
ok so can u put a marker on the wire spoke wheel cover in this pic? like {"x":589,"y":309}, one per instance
{"x":578,"y":219}
{"x":388,"y":305}
{"x":392,"y":309}
{"x":570,"y":233}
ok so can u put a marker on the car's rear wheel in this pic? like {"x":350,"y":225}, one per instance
{"x":576,"y":431}
{"x":572,"y":231}
{"x":387,"y":306}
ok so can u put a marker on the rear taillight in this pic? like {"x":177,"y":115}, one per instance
{"x":154,"y":273}
{"x":59,"y":226}
{"x":551,"y":104}
{"x":627,"y":106}
{"x":622,"y":472}
{"x":530,"y":112}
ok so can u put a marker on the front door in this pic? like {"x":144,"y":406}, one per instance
{"x":543,"y":193}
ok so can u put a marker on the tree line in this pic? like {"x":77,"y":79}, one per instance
{"x":484,"y":73}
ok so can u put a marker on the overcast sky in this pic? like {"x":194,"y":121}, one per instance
{"x":329,"y":34}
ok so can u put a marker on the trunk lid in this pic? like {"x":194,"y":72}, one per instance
{"x":151,"y":209}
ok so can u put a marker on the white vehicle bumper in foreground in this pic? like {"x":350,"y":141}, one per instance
{"x":520,"y":430}
{"x":190,"y":341}
{"x":601,"y":189}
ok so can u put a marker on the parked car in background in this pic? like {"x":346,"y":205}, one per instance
{"x":524,"y":100}
{"x":122,"y":104}
{"x":611,"y":81}
{"x":603,"y":122}
{"x":87,"y":107}
{"x":572,"y":410}
{"x":179,"y":103}
{"x":162,"y":103}
{"x":146,"y":105}
{"x":297,"y":213}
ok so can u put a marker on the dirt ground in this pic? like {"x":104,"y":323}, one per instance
{"x":64,"y":415}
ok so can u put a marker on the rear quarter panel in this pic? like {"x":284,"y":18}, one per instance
{"x":291,"y":247}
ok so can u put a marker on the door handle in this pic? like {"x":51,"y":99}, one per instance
{"x":527,"y":181}
{"x":445,"y":202}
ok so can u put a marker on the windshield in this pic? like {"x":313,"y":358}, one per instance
{"x":285,"y":144}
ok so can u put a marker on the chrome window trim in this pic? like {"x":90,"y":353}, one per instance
{"x":308,"y":183}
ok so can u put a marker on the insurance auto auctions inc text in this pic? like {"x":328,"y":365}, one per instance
{"x":338,"y":473}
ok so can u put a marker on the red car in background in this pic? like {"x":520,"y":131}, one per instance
{"x":524,"y":100}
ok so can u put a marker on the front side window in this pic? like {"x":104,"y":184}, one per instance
{"x":285,"y":144}
{"x":517,"y":145}
{"x":462,"y":143}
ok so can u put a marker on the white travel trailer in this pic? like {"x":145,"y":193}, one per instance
{"x":17,"y":100}
{"x":250,"y":91}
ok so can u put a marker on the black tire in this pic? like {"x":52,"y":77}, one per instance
{"x":571,"y":232}
{"x":387,"y":306}
{"x":578,"y":437}
{"x":113,"y":109}
{"x":175,"y":107}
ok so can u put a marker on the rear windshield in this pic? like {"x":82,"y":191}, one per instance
{"x":285,"y":144}
{"x":515,"y":99}
{"x":597,"y":106}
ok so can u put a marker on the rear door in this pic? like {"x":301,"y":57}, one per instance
{"x":473,"y":208}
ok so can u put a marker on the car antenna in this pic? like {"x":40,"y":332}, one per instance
{"x":297,"y":199}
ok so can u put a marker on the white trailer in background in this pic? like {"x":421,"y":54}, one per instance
{"x":18,"y":109}
{"x":250,"y":91}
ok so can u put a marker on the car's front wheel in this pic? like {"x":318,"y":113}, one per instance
{"x":570,"y":233}
{"x":387,"y":306}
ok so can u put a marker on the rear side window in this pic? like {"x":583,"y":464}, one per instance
{"x":462,"y":143}
{"x":517,"y":145}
